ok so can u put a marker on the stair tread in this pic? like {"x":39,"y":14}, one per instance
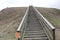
{"x":35,"y":35}
{"x":34,"y":30}
{"x":37,"y":38}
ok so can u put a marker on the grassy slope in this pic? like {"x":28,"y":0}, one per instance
{"x":52,"y":15}
{"x":11,"y":17}
{"x":9,"y":21}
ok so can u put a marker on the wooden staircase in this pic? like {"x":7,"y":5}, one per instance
{"x":33,"y":30}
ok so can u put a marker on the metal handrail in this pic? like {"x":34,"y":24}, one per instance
{"x":47,"y":26}
{"x":19,"y":28}
{"x":23,"y":24}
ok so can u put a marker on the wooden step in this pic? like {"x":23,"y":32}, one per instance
{"x":34,"y":30}
{"x":35,"y":36}
{"x":41,"y":38}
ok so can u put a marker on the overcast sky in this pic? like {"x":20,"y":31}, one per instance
{"x":39,"y":3}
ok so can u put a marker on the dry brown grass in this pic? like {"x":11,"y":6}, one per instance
{"x":9,"y":21}
{"x":53,"y":16}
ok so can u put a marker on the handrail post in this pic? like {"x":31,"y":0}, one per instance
{"x":48,"y":27}
{"x":23,"y":23}
{"x":53,"y":34}
{"x":18,"y":35}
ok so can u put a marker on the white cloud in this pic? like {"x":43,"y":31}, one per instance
{"x":42,"y":3}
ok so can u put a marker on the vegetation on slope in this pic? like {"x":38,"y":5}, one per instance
{"x":53,"y":16}
{"x":11,"y":17}
{"x":9,"y":21}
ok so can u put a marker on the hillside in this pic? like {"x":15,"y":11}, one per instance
{"x":11,"y":17}
{"x":53,"y":16}
{"x":9,"y":21}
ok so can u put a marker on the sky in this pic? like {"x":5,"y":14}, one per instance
{"x":38,"y":3}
